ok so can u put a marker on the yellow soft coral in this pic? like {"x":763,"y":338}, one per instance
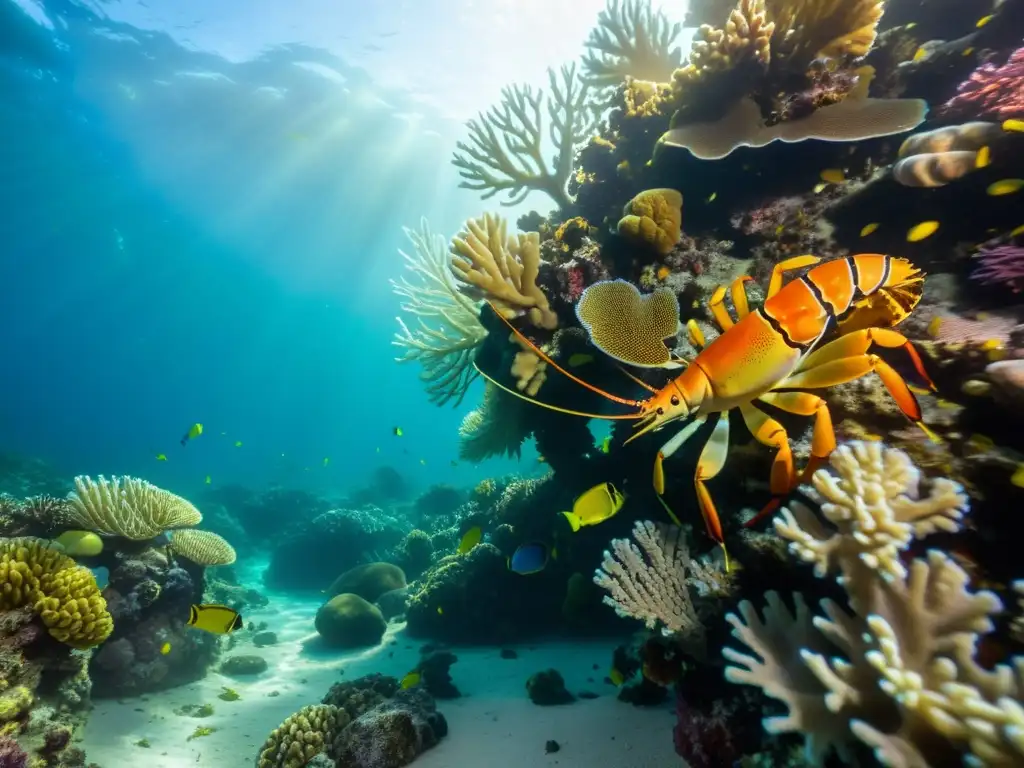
{"x":502,"y":269}
{"x":654,"y":216}
{"x":128,"y":507}
{"x":302,"y":736}
{"x":63,"y":594}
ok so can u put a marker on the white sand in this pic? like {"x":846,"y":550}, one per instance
{"x":493,"y":725}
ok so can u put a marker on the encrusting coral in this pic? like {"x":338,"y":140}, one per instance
{"x":502,"y":269}
{"x":906,"y":683}
{"x":302,"y":736}
{"x":627,"y":325}
{"x":202,"y":547}
{"x":128,"y":507}
{"x":505,"y":151}
{"x":935,"y":158}
{"x":992,"y":91}
{"x":630,"y":40}
{"x":63,"y":594}
{"x":448,"y":329}
{"x":654,"y":216}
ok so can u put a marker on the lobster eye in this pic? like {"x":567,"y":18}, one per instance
{"x":661,"y":411}
{"x":675,"y":399}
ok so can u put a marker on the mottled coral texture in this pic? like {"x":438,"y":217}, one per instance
{"x":992,"y":91}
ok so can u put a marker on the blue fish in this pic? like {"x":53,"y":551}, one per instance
{"x":529,"y":558}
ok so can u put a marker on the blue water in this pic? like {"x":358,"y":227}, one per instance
{"x":186,"y":237}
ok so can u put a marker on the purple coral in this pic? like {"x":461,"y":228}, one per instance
{"x":12,"y":755}
{"x":1001,"y":265}
{"x":991,"y":91}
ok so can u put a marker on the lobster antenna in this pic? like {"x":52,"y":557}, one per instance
{"x":637,"y":380}
{"x":550,"y":407}
{"x":543,"y":356}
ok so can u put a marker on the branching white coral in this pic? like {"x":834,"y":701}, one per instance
{"x":631,"y":40}
{"x":654,"y":590}
{"x":505,"y":151}
{"x":873,"y":507}
{"x":447,"y":327}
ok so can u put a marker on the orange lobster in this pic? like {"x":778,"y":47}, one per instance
{"x":770,"y":354}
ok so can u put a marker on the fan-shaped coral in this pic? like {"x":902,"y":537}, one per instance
{"x":64,"y":595}
{"x":627,"y":325}
{"x":447,"y":325}
{"x":128,"y":507}
{"x":202,"y":547}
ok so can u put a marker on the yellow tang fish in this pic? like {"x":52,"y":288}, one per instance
{"x":1017,"y":231}
{"x":194,"y":431}
{"x":967,"y":51}
{"x":397,"y":431}
{"x":616,"y":677}
{"x":1005,"y":187}
{"x":867,"y":229}
{"x":984,"y":158}
{"x":1013,"y":125}
{"x":413,"y":678}
{"x":984,"y":20}
{"x":80,"y":543}
{"x":208,"y":480}
{"x":921,"y":231}
{"x":470,"y":539}
{"x":595,"y":506}
{"x":217,"y":619}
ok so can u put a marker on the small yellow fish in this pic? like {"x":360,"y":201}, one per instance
{"x":413,"y":678}
{"x":975,"y":387}
{"x":606,"y":444}
{"x":616,"y":677}
{"x":208,"y":480}
{"x":872,"y":437}
{"x":541,"y":460}
{"x":946,"y":404}
{"x":218,"y":619}
{"x":967,"y":51}
{"x":1005,"y":187}
{"x":165,"y":648}
{"x":397,"y":431}
{"x":423,"y":462}
{"x":984,"y":20}
{"x":983,"y":158}
{"x":194,"y":431}
{"x":238,"y":443}
{"x":161,"y":457}
{"x":327,"y":460}
{"x":910,"y":26}
{"x":833,"y":175}
{"x":780,"y":229}
{"x":664,"y":273}
{"x":992,"y":344}
{"x":595,"y":506}
{"x":470,"y":539}
{"x":980,"y":443}
{"x":919,"y":54}
{"x":1018,"y":476}
{"x":712,"y":196}
{"x":934,"y":326}
{"x":867,"y":229}
{"x":921,"y":231}
{"x":580,"y":358}
{"x":820,"y":187}
{"x":1014,"y":125}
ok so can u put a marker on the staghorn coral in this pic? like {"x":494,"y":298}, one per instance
{"x":627,"y":325}
{"x":505,"y":148}
{"x":655,"y":589}
{"x":935,"y":158}
{"x":630,"y":40}
{"x":654,"y":217}
{"x":302,"y":736}
{"x":905,"y":683}
{"x":128,"y":507}
{"x":992,"y":91}
{"x":202,"y":547}
{"x":502,"y":269}
{"x":855,"y":118}
{"x":495,"y":428}
{"x":64,"y":595}
{"x":448,"y":329}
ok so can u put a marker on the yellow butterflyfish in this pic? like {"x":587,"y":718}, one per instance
{"x":217,"y":619}
{"x":470,"y":539}
{"x":595,"y":506}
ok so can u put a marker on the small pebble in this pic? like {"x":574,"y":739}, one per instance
{"x":551,"y":746}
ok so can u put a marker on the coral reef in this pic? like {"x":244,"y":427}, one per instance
{"x":630,"y":40}
{"x":992,"y":91}
{"x":302,"y":736}
{"x":202,"y":547}
{"x":654,"y":217}
{"x":128,"y":507}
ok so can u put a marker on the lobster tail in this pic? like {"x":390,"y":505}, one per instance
{"x":889,"y":288}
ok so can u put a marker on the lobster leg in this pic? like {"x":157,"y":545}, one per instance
{"x":858,"y":343}
{"x":710,"y":463}
{"x":671,"y":447}
{"x":738,"y":292}
{"x":769,"y":432}
{"x":718,"y":310}
{"x":797,"y":262}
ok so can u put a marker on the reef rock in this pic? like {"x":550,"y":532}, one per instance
{"x":349,"y":621}
{"x":392,"y":734}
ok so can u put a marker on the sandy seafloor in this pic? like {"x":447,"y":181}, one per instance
{"x":493,"y":724}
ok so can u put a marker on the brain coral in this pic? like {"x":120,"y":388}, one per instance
{"x":202,"y":547}
{"x":654,"y":216}
{"x":302,"y":736}
{"x":627,"y":325}
{"x":63,"y":594}
{"x":129,"y":507}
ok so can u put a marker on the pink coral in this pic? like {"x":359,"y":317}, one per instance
{"x":11,"y":755}
{"x":991,"y":91}
{"x":1001,"y":265}
{"x":702,"y":739}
